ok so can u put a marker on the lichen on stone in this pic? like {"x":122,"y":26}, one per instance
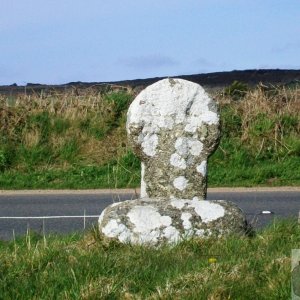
{"x":173,"y":127}
{"x":159,"y":221}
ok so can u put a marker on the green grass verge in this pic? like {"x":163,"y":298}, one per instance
{"x":119,"y":175}
{"x":76,"y":267}
{"x":260,"y":172}
{"x":79,"y":141}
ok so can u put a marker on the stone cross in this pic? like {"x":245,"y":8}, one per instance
{"x":173,"y":127}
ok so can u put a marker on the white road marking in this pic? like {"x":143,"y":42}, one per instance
{"x":50,"y":217}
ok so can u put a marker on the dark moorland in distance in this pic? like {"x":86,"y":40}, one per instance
{"x":217,"y":80}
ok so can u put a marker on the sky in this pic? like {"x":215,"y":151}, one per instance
{"x":55,"y":42}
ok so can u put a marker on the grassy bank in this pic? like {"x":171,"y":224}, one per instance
{"x":78,"y":140}
{"x":76,"y":267}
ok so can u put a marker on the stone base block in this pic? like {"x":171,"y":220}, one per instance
{"x":158,"y":221}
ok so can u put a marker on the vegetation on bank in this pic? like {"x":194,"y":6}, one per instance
{"x":78,"y":139}
{"x":76,"y":267}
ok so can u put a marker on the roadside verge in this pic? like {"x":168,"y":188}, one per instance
{"x":137,"y":191}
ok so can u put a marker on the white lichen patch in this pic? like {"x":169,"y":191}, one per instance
{"x":185,"y":146}
{"x":162,"y":102}
{"x":181,"y":146}
{"x":149,"y":144}
{"x":115,"y":229}
{"x":207,"y":211}
{"x":177,"y":161}
{"x":202,"y":168}
{"x":177,"y":203}
{"x":147,"y":218}
{"x":185,"y":217}
{"x":195,"y":147}
{"x":196,"y":122}
{"x":150,"y":237}
{"x":201,"y":114}
{"x":171,"y":234}
{"x":180,"y":183}
{"x":180,"y":203}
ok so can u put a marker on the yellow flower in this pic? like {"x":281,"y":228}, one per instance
{"x":212,"y":260}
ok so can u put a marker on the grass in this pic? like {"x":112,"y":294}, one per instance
{"x":78,"y":140}
{"x":89,"y":267}
{"x":113,"y":175}
{"x":120,"y":174}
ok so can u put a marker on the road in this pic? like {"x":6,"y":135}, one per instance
{"x":284,"y":204}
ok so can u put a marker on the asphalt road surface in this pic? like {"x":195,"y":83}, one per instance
{"x":283,"y":204}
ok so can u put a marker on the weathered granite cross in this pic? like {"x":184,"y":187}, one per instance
{"x":173,"y":126}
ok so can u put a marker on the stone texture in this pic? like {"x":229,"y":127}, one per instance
{"x":158,"y":221}
{"x":173,"y":126}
